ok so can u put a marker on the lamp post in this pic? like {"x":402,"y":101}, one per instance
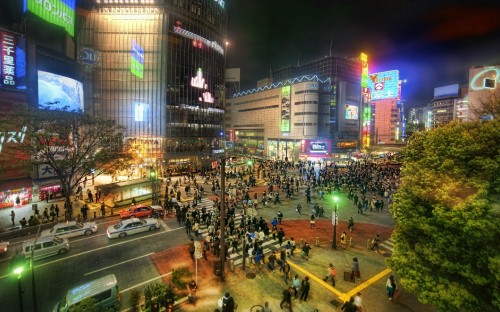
{"x":335,"y":221}
{"x":17,"y":265}
{"x":223,"y":217}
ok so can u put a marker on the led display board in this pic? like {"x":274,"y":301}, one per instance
{"x":12,"y":61}
{"x":351,"y":112}
{"x":364,"y":70}
{"x":444,"y":91}
{"x":285,"y":109}
{"x":315,"y":146}
{"x":384,"y":85}
{"x":57,"y":12}
{"x":137,"y":60}
{"x":56,"y":92}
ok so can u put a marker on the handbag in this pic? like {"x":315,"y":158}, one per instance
{"x":220,"y":302}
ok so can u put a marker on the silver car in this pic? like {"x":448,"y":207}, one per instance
{"x":71,"y":229}
{"x":132,"y":226}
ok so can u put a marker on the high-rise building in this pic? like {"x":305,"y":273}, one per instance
{"x":157,"y":68}
{"x":484,"y":85}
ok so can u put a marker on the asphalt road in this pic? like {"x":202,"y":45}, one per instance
{"x":90,"y":258}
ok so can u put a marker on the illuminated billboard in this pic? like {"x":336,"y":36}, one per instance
{"x":351,"y":112}
{"x":12,"y":61}
{"x":285,"y":109}
{"x":384,"y":85}
{"x":137,"y":60}
{"x":57,"y":12}
{"x":364,"y":70}
{"x":56,"y":92}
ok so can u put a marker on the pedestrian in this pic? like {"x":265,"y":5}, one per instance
{"x":343,"y":239}
{"x":133,"y":201}
{"x":13,"y":217}
{"x":349,"y":306}
{"x":375,"y":242}
{"x":45,"y":214}
{"x":274,"y":222}
{"x":57,"y":211}
{"x":299,"y":209}
{"x":331,"y":273}
{"x":312,"y":223}
{"x":391,"y":287}
{"x":305,"y":251}
{"x":191,"y":248}
{"x":304,"y":288}
{"x":286,"y":271}
{"x":103,"y":209}
{"x":228,"y":304}
{"x":296,"y":285}
{"x":351,"y":224}
{"x":281,"y":235}
{"x":287,"y":298}
{"x":358,"y":302}
{"x":271,"y":260}
{"x":355,"y":269}
{"x":280,"y":216}
{"x":293,"y":245}
{"x":266,"y":307}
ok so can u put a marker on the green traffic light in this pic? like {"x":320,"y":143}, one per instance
{"x":335,"y":199}
{"x":18,"y":270}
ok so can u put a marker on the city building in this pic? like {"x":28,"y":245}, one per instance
{"x":157,"y":68}
{"x":286,"y":120}
{"x":484,"y":84}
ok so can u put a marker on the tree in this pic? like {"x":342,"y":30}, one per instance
{"x":86,"y":305}
{"x":447,"y":211}
{"x":71,"y":144}
{"x":489,"y":106}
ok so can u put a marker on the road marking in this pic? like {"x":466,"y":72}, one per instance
{"x":313,"y":277}
{"x":117,"y":264}
{"x":365,"y":284}
{"x":97,"y":249}
{"x":164,"y":225}
{"x":87,"y":237}
{"x":145,"y":282}
{"x":342,"y":296}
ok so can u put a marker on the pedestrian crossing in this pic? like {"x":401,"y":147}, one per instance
{"x":387,"y":247}
{"x":268,"y":244}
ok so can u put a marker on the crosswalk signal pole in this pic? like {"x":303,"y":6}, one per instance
{"x":335,"y":200}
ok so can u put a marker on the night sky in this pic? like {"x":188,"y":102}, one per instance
{"x":432,"y":42}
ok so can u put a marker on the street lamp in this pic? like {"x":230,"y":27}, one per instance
{"x":335,"y":221}
{"x":17,"y":265}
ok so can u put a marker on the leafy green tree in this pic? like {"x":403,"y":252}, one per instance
{"x":157,"y":296}
{"x":70,"y":143}
{"x":447,"y":210}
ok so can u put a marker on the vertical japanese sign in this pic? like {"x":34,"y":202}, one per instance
{"x":137,"y":60}
{"x":12,"y":61}
{"x":364,"y":70}
{"x":57,"y":12}
{"x":285,"y":109}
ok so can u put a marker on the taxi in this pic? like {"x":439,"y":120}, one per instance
{"x":71,"y":229}
{"x":132,"y":226}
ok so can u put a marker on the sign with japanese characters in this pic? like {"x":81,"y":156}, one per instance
{"x":12,"y":61}
{"x":46,"y":171}
{"x":57,"y":12}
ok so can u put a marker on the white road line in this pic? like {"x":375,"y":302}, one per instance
{"x":117,"y":264}
{"x":145,"y":282}
{"x":97,"y":249}
{"x":164,"y":225}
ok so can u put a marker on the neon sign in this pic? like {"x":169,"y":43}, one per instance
{"x":364,"y":70}
{"x":198,"y":39}
{"x":487,"y":82}
{"x":16,"y":137}
{"x":199,"y":82}
{"x":137,"y":60}
{"x":285,"y":109}
{"x":384,"y":85}
{"x":12,"y":61}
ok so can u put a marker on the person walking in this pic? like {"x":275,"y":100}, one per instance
{"x":13,"y":217}
{"x":305,"y":286}
{"x":305,"y":251}
{"x":331,"y":273}
{"x":355,"y":269}
{"x":280,"y":216}
{"x":287,"y":298}
{"x":343,"y":239}
{"x":286,"y":271}
{"x":299,"y":209}
{"x":281,"y":235}
{"x":228,"y":304}
{"x":358,"y":302}
{"x":266,"y":307}
{"x":375,"y":242}
{"x":296,"y":285}
{"x":351,"y":224}
{"x":391,"y":287}
{"x":349,"y":306}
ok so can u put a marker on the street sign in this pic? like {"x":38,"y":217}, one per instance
{"x":197,"y":250}
{"x":335,"y":218}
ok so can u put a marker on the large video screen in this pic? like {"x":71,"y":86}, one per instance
{"x":351,"y":112}
{"x":56,"y":92}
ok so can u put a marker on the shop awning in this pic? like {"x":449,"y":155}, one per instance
{"x":15,"y":184}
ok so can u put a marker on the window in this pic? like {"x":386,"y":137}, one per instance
{"x":102,"y":296}
{"x":46,"y":244}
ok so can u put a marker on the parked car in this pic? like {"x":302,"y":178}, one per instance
{"x":4,"y":246}
{"x":45,"y":247}
{"x":71,"y":229}
{"x":132,"y":226}
{"x":137,"y":211}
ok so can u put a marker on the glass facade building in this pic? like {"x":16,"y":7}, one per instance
{"x":158,"y":70}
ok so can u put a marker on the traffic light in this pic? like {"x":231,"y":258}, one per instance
{"x":18,"y":264}
{"x":152,"y":174}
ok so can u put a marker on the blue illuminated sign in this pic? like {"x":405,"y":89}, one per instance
{"x":137,"y":60}
{"x":384,"y":85}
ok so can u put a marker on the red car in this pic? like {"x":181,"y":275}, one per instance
{"x":138,"y":211}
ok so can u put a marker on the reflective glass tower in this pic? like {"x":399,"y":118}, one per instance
{"x":156,"y":67}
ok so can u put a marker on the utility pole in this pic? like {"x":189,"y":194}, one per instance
{"x":223,"y":216}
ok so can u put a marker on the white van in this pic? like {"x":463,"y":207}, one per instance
{"x":45,"y":247}
{"x":104,"y":290}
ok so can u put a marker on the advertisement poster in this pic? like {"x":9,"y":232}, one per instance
{"x":351,"y":112}
{"x":285,"y":109}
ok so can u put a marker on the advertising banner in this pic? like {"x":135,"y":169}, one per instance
{"x":57,"y":12}
{"x":315,"y":146}
{"x":13,"y":61}
{"x":384,"y":85}
{"x":137,"y":60}
{"x":285,"y":109}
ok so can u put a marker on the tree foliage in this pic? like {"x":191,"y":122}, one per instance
{"x":71,"y":143}
{"x":86,"y":305}
{"x":447,"y":236}
{"x":489,"y":106}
